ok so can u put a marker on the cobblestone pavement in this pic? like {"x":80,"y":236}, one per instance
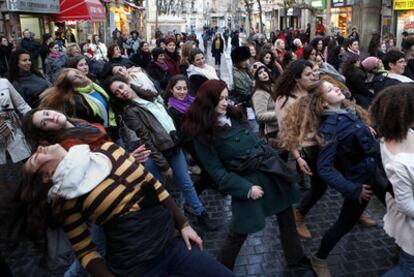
{"x":363,"y":252}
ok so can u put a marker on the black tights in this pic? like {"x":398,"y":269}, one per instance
{"x":350,"y":213}
{"x":318,"y":187}
{"x":289,"y":239}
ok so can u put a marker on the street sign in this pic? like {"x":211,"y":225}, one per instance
{"x":36,"y":6}
{"x":403,"y":4}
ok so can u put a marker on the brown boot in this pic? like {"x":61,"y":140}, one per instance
{"x":320,"y":267}
{"x":301,"y":227}
{"x":366,"y":220}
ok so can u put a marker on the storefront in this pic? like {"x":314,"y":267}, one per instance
{"x":341,"y":16}
{"x":82,"y":18}
{"x":126,"y":17}
{"x":289,"y":18}
{"x":33,"y":15}
{"x":404,"y":14}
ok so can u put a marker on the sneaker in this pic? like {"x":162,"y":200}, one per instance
{"x":205,"y":221}
{"x":366,"y":220}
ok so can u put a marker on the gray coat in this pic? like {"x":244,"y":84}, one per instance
{"x":11,"y":106}
{"x":264,"y":108}
{"x":53,"y":66}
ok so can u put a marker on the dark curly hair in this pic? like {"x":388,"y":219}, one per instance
{"x":13,"y":73}
{"x":286,"y":83}
{"x":392,"y":111}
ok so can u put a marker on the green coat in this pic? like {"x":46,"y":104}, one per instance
{"x":248,"y":215}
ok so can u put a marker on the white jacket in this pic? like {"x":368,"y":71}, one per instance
{"x":399,"y":219}
{"x":100,"y":52}
{"x":14,"y":144}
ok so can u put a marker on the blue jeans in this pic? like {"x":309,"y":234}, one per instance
{"x":404,"y":268}
{"x":99,"y":239}
{"x":179,"y":167}
{"x":177,"y":260}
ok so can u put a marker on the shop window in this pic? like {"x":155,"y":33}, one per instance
{"x":32,"y":24}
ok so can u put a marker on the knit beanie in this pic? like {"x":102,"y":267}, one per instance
{"x":170,"y":39}
{"x":370,"y":63}
{"x":255,"y":67}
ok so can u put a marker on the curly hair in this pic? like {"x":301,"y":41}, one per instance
{"x":13,"y":73}
{"x":286,"y":83}
{"x":392,"y":111}
{"x":303,"y":118}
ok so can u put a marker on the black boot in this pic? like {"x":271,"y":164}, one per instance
{"x":205,"y":221}
{"x":231,"y":248}
{"x":4,"y":268}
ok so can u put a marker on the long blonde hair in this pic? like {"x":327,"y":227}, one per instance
{"x":303,"y":118}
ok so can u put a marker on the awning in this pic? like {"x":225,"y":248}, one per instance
{"x":78,"y":10}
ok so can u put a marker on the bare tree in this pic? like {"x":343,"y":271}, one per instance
{"x":259,"y":4}
{"x":248,"y":5}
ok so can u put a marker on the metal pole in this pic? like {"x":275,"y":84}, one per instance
{"x":328,"y":17}
{"x":146,"y":19}
{"x":156,"y":16}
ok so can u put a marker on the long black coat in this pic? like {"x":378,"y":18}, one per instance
{"x":217,"y":51}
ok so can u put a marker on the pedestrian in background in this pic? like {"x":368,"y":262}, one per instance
{"x":143,"y":57}
{"x":206,"y":37}
{"x":172,"y":57}
{"x":54,"y":62}
{"x":217,"y":48}
{"x":132,"y":44}
{"x":118,"y":40}
{"x":31,"y":45}
{"x":5,"y":51}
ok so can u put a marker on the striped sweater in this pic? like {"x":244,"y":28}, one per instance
{"x":127,"y":189}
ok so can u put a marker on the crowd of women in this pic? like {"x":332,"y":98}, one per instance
{"x":98,"y":133}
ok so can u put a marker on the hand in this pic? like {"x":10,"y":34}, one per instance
{"x":134,"y":69}
{"x":256,"y":192}
{"x":141,"y":154}
{"x":168,"y":173}
{"x":188,"y":234}
{"x":373,"y":132}
{"x":304,"y":167}
{"x":366,"y":192}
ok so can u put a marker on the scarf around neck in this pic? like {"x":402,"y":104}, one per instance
{"x":55,"y":55}
{"x":181,"y":106}
{"x":162,"y":66}
{"x":79,"y":173}
{"x":93,"y":87}
{"x":207,"y":71}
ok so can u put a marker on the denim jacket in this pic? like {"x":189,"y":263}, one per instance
{"x":348,"y":158}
